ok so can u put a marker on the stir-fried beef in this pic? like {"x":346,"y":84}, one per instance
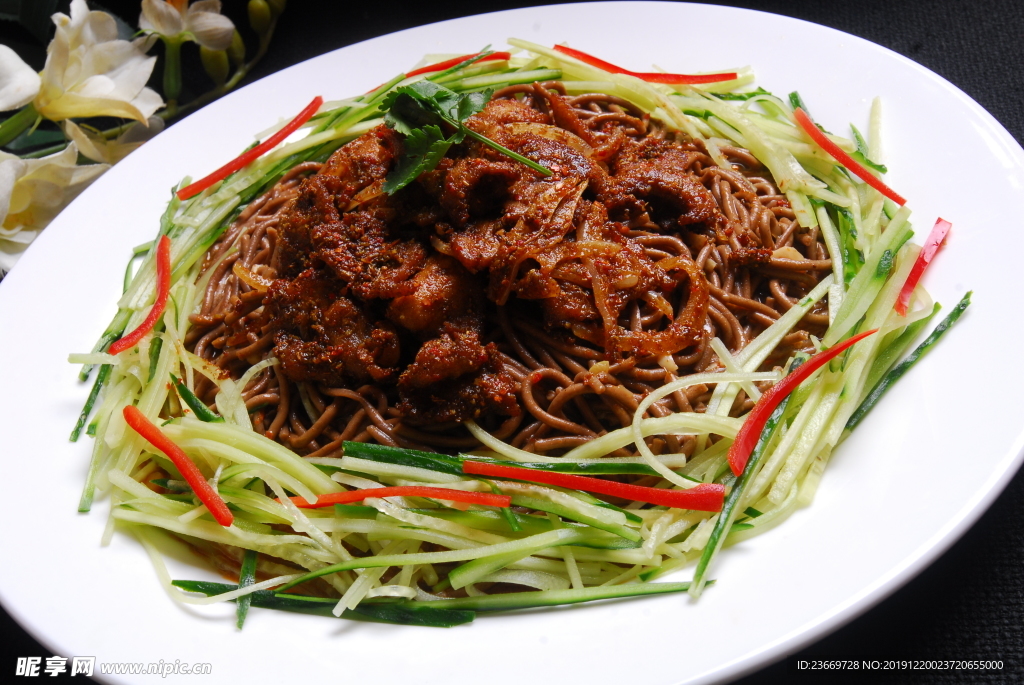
{"x":401,"y":290}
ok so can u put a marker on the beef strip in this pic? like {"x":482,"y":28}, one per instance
{"x":396,"y":290}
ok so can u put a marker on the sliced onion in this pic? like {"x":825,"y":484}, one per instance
{"x":559,"y":135}
{"x":251,"y":279}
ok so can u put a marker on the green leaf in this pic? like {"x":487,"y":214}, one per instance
{"x":35,"y":138}
{"x":417,"y":111}
{"x":472,"y":103}
{"x":424,"y":148}
{"x":406,"y":114}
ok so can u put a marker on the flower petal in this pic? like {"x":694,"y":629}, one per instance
{"x":211,"y":30}
{"x":89,"y":27}
{"x":19,"y":83}
{"x":160,"y":17}
{"x":147,"y":102}
{"x":140,"y":133}
{"x":89,"y":144}
{"x":70,"y":105}
{"x":205,"y":6}
{"x":33,"y":192}
{"x":89,"y":72}
{"x":99,"y":149}
{"x":11,"y":169}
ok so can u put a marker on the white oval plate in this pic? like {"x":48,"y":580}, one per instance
{"x":914,"y":476}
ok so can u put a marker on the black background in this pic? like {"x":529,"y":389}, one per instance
{"x":968,"y":604}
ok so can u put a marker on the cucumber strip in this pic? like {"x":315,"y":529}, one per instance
{"x":296,"y":548}
{"x":530,"y":524}
{"x":246,"y":577}
{"x":256,"y":445}
{"x":202,"y":412}
{"x":505,"y":79}
{"x":551,"y":598}
{"x":473,"y":571}
{"x":544,"y":540}
{"x":401,"y":613}
{"x":891,"y":352}
{"x":730,"y":509}
{"x":402,"y":516}
{"x":506,"y":512}
{"x":895,"y":374}
{"x":101,"y":379}
{"x":453,"y":465}
{"x":390,"y":473}
{"x":442,"y":463}
{"x":356,"y":511}
{"x":573,"y":514}
{"x":872,"y":276}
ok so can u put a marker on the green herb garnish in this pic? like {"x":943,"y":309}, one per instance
{"x":418,"y":110}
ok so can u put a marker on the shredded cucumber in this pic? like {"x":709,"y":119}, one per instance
{"x":382,"y":556}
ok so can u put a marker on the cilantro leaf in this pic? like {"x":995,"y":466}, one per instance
{"x":417,"y":111}
{"x":472,"y":103}
{"x":424,"y":148}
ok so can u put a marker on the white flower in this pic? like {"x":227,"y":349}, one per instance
{"x":99,"y":149}
{"x":88,"y":72}
{"x":32,"y":192}
{"x":19,"y":83}
{"x":202,"y":21}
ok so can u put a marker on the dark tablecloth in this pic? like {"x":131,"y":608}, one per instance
{"x":970,"y":603}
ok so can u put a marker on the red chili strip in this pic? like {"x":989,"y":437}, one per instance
{"x":931,"y":246}
{"x":751,"y":429}
{"x":248,"y":156}
{"x":163,"y":288}
{"x":449,"y":63}
{"x":650,"y":77}
{"x":484,"y":498}
{"x":704,"y":497}
{"x":189,"y":471}
{"x":846,"y":160}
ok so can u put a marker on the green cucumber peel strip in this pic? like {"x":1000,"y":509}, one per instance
{"x":742,"y":96}
{"x":551,"y":598}
{"x":401,"y":613}
{"x":853,"y":259}
{"x":729,"y":509}
{"x":861,"y":154}
{"x":202,"y":412}
{"x":443,"y":463}
{"x":889,"y":379}
{"x":90,"y":402}
{"x":506,"y":512}
{"x":246,"y":577}
{"x":356,"y":511}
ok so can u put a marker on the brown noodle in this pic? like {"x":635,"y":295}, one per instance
{"x":569,"y":395}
